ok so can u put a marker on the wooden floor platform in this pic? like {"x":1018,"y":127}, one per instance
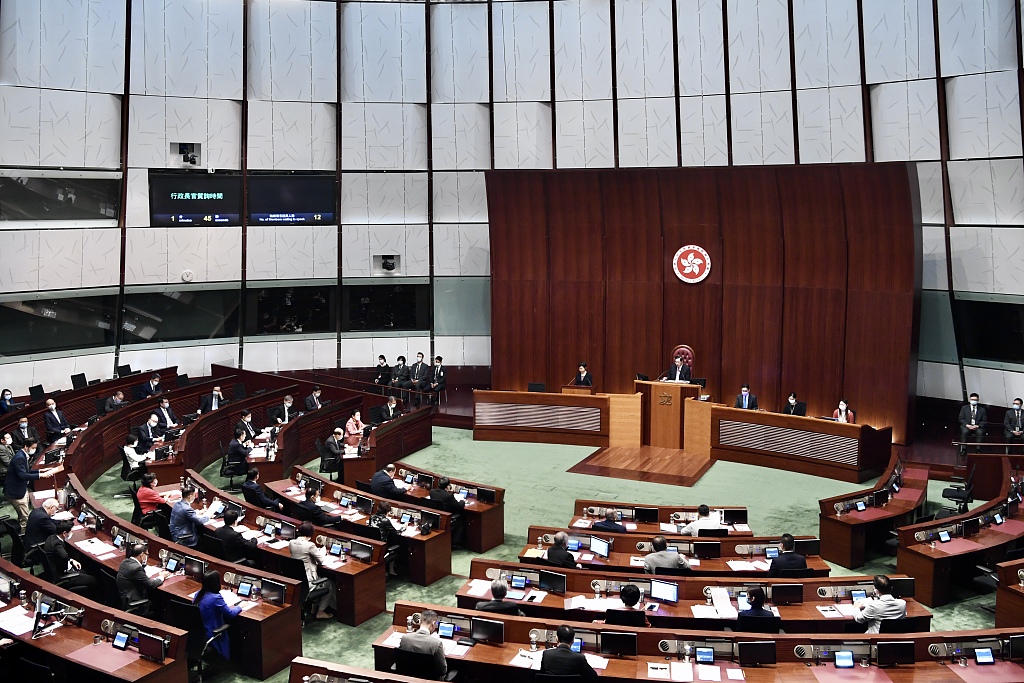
{"x":647,"y":463}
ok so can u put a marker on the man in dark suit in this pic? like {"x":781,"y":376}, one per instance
{"x":245,"y":424}
{"x":679,"y":372}
{"x":254,"y":494}
{"x":312,"y":510}
{"x":389,"y":411}
{"x":148,"y":433}
{"x":1013,"y":424}
{"x":437,"y":382}
{"x":610,"y":522}
{"x":40,"y":524}
{"x":972,"y":421}
{"x":313,"y":400}
{"x":283,"y":412}
{"x":114,"y":402}
{"x":68,"y":571}
{"x":151,"y":388}
{"x":423,"y":641}
{"x":745,"y":399}
{"x":400,"y":375}
{"x":449,"y":503}
{"x":558,"y":553}
{"x":132,"y":581}
{"x":794,"y":407}
{"x":19,"y":474}
{"x":335,"y":443}
{"x":383,"y":483}
{"x":23,"y":434}
{"x":787,"y":559}
{"x":497,"y":603}
{"x":418,"y":374}
{"x":165,"y":417}
{"x":238,"y":452}
{"x":55,"y":422}
{"x":212,"y":401}
{"x":236,"y":548}
{"x":562,"y":661}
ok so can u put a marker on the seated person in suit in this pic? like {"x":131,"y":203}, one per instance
{"x":788,"y":558}
{"x":449,"y":503}
{"x":131,"y":452}
{"x":583,"y":378}
{"x":214,"y":610}
{"x":663,"y":557}
{"x":40,"y":525}
{"x":281,"y":414}
{"x":149,"y":500}
{"x":354,"y":426}
{"x":745,"y":399}
{"x":497,"y":603}
{"x":679,"y":372}
{"x":212,"y":401}
{"x":302,"y":548}
{"x":383,"y":377}
{"x":313,"y":512}
{"x":245,"y":424}
{"x":186,"y":523}
{"x":114,"y":402}
{"x":610,"y":522}
{"x":255,"y":495}
{"x":132,"y":581}
{"x":424,"y":641}
{"x":55,"y":422}
{"x":238,"y":452}
{"x":418,"y":374}
{"x":1013,"y":424}
{"x":972,"y":421}
{"x":558,"y":553}
{"x":23,"y":434}
{"x":794,"y":407}
{"x":383,"y":483}
{"x":166,"y":419}
{"x":843,"y":412}
{"x":436,"y":382}
{"x":630,"y":597}
{"x":382,"y":522}
{"x":756,"y":598}
{"x":149,"y":435}
{"x":236,"y":548}
{"x":335,"y":443}
{"x":313,"y":400}
{"x":151,"y":388}
{"x":390,"y":410}
{"x":562,"y":661}
{"x":68,"y":571}
{"x":401,"y":377}
{"x":882,"y":605}
{"x":703,"y":521}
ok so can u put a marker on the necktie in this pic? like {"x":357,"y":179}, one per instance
{"x":316,"y":401}
{"x":436,"y":370}
{"x":215,"y":403}
{"x":973,"y":411}
{"x":744,"y":401}
{"x":1018,"y":420}
{"x":149,"y":431}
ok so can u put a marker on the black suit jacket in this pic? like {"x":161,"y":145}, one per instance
{"x":559,"y":556}
{"x":277,"y":413}
{"x":605,"y":525}
{"x":237,"y":453}
{"x":383,"y":374}
{"x":582,"y":381}
{"x":561,"y":661}
{"x":57,"y":553}
{"x":147,"y":390}
{"x":250,"y":431}
{"x":19,"y":440}
{"x":980,"y":417}
{"x":418,"y":372}
{"x":110,"y":406}
{"x":316,"y":514}
{"x":382,"y":485}
{"x":684,"y":373}
{"x":786,"y":561}
{"x":448,"y":501}
{"x":207,"y":403}
{"x":1012,"y":423}
{"x":260,"y":498}
{"x":389,"y":413}
{"x":751,"y":401}
{"x":499,"y":607}
{"x":311,"y":402}
{"x":799,"y":409}
{"x":132,"y":582}
{"x":333,"y":447}
{"x":436,"y":375}
{"x":161,"y":422}
{"x":235,"y":547}
{"x":39,"y":527}
{"x":400,"y":374}
{"x":146,"y":436}
{"x":55,"y":424}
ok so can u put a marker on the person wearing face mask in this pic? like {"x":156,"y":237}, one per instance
{"x":23,"y":434}
{"x":6,"y":402}
{"x":6,"y":454}
{"x":418,"y":374}
{"x":19,"y":475}
{"x":69,"y":572}
{"x":151,"y":388}
{"x":245,"y":424}
{"x":794,"y":407}
{"x":383,"y":372}
{"x":745,"y":399}
{"x":400,"y":375}
{"x":114,"y":402}
{"x":313,"y":400}
{"x":972,"y":422}
{"x":56,"y":424}
{"x":843,"y":412}
{"x":283,"y":413}
{"x":437,"y":380}
{"x":166,"y":419}
{"x":1013,"y":425}
{"x":212,"y":401}
{"x":148,"y":434}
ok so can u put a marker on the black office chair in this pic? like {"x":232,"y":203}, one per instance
{"x":625,"y":617}
{"x":231,"y":470}
{"x":27,"y":670}
{"x":988,"y":580}
{"x":901,"y":625}
{"x":418,"y":664}
{"x":309,"y":595}
{"x":672,"y":571}
{"x":130,"y":475}
{"x":748,"y":624}
{"x":50,"y":574}
{"x":124,"y":370}
{"x":961,"y":494}
{"x":186,"y":616}
{"x":555,"y":678}
{"x":328,"y":463}
{"x":181,"y":379}
{"x":79,"y":381}
{"x":300,"y":513}
{"x":795,"y":573}
{"x":101,"y":406}
{"x":892,"y":545}
{"x":363,"y":486}
{"x":37,"y":393}
{"x":238,"y":392}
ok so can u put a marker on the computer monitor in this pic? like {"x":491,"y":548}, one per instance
{"x":272,"y":592}
{"x":336,"y":548}
{"x":288,"y":531}
{"x":599,"y":547}
{"x":858,"y":594}
{"x":983,"y":655}
{"x":880,"y":497}
{"x":445,"y":629}
{"x":574,"y":544}
{"x":174,"y":563}
{"x":485,"y":495}
{"x":787,"y":593}
{"x":152,"y":647}
{"x":707,"y":550}
{"x":410,"y":478}
{"x":244,"y":588}
{"x":807,"y":546}
{"x":645,"y":515}
{"x":971,"y":527}
{"x":844,"y":659}
{"x":361,"y":551}
{"x":119,"y":540}
{"x":902,"y":587}
{"x":344,"y":501}
{"x":404,"y":519}
{"x":621,"y":644}
{"x":425,"y":481}
{"x":120,"y":641}
{"x":551,"y":582}
{"x":705,"y":655}
{"x":432,"y":518}
{"x":518,"y":582}
{"x":756,"y":652}
{"x":487,"y":630}
{"x":228,"y":505}
{"x":195,"y":568}
{"x":734,"y":516}
{"x":893,"y":652}
{"x":364,"y":504}
{"x":664,"y":591}
{"x":1015,"y":647}
{"x":771,"y":552}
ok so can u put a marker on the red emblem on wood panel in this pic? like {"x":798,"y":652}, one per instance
{"x":691,"y":264}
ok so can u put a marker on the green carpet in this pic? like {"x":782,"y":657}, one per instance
{"x":540,"y":491}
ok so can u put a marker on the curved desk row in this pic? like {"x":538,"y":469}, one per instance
{"x":664,"y":518}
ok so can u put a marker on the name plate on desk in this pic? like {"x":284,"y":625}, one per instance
{"x":538,"y":416}
{"x":788,"y":441}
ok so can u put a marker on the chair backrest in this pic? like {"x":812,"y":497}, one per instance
{"x":795,"y":573}
{"x":672,"y":571}
{"x":182,"y":380}
{"x":748,"y":624}
{"x":101,"y":405}
{"x":374,"y":414}
{"x":900,"y":625}
{"x":158,"y":522}
{"x":555,"y":678}
{"x":124,"y":370}
{"x":716,"y":533}
{"x":250,"y":496}
{"x":625,"y":617}
{"x":418,"y":664}
{"x":187,"y":616}
{"x":27,"y":670}
{"x":211,"y":545}
{"x":79,"y":381}
{"x":1014,"y":555}
{"x":136,"y":508}
{"x":238,"y":392}
{"x":300,"y":513}
{"x":686,"y":352}
{"x":363,"y":486}
{"x":37,"y":393}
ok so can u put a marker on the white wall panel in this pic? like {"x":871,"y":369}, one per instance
{"x":137,"y":201}
{"x":383,"y":197}
{"x":983,"y":115}
{"x":929,"y":179}
{"x":383,"y":47}
{"x":461,"y":136}
{"x":56,"y":373}
{"x":355,"y":251}
{"x":325,"y":251}
{"x":462,"y":249}
{"x":522,"y":135}
{"x":145,"y":256}
{"x":899,"y":40}
{"x":262,"y":356}
{"x":522,"y":52}
{"x":384,"y":136}
{"x":987,"y":192}
{"x":20,"y":47}
{"x":358,"y":353}
{"x":68,"y":258}
{"x":64,"y":45}
{"x":995,"y":387}
{"x":100,"y":258}
{"x":583,"y":68}
{"x":647,"y":132}
{"x":758,"y":46}
{"x":701,"y":36}
{"x":459,"y":70}
{"x":976,"y":36}
{"x":292,"y":51}
{"x":261,"y":252}
{"x":451,"y":349}
{"x":19,"y":126}
{"x":325,"y":353}
{"x":905,"y":121}
{"x":102,"y":135}
{"x":292,"y":136}
{"x":831,"y":125}
{"x":762,"y":127}
{"x":477,"y":350}
{"x":703,"y":131}
{"x":409,"y":242}
{"x":460,"y":197}
{"x":155,"y":122}
{"x":939,"y":380}
{"x":826,"y":43}
{"x":987,"y":259}
{"x":584,"y":136}
{"x":643,"y":50}
{"x":160,"y":255}
{"x":934,"y":274}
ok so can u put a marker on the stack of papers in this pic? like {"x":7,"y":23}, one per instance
{"x":582,"y":523}
{"x":681,"y":671}
{"x":722,"y":603}
{"x":595,"y":661}
{"x":709,"y":672}
{"x":741,"y":527}
{"x":479,"y":587}
{"x":761,"y":565}
{"x":278,"y":545}
{"x":457,"y":651}
{"x":152,"y":571}
{"x":594,"y":604}
{"x":847,"y":610}
{"x":740,"y":566}
{"x":669,"y":528}
{"x":17,"y":621}
{"x":704,"y":611}
{"x":636,"y":561}
{"x":63,"y":515}
{"x":411,"y":531}
{"x":215,"y":523}
{"x":393,"y":640}
{"x":535,"y":552}
{"x":525,"y":659}
{"x":251,"y":534}
{"x":230,"y":597}
{"x":830,"y":612}
{"x":536,"y":596}
{"x":247,"y":605}
{"x":630,"y":526}
{"x":331,"y":562}
{"x":735,"y":674}
{"x":95,"y":546}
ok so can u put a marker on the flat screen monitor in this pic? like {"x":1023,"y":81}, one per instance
{"x":152,"y":647}
{"x":861,"y":506}
{"x":410,"y":478}
{"x":971,"y":527}
{"x":787,"y":593}
{"x":893,"y":652}
{"x":364,"y":504}
{"x":807,"y":546}
{"x":705,"y":655}
{"x":195,"y":568}
{"x":336,"y":548}
{"x":293,"y":199}
{"x":844,"y":659}
{"x":270,"y":529}
{"x":858,"y":595}
{"x":551,"y":582}
{"x":944,"y":536}
{"x":599,"y":546}
{"x":287,"y":532}
{"x":485,"y":495}
{"x":577,"y":645}
{"x":902,"y":587}
{"x":487,"y":630}
{"x":645,"y":515}
{"x":756,"y":652}
{"x":771,"y":552}
{"x":173,"y":563}
{"x":200,"y":199}
{"x":425,"y":481}
{"x":880,"y":498}
{"x":518,"y":582}
{"x":574,"y":544}
{"x":120,"y":640}
{"x":228,"y":505}
{"x":244,"y":589}
{"x":621,"y":644}
{"x":664,"y":591}
{"x":272,"y":592}
{"x":404,"y":519}
{"x":216,"y":508}
{"x":432,"y":518}
{"x":119,"y":540}
{"x":445,"y":629}
{"x":734,"y":516}
{"x":361,"y":551}
{"x":1015,"y":645}
{"x":707,"y":550}
{"x":983,"y":655}
{"x":345,"y":501}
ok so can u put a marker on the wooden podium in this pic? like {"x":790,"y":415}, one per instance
{"x":582,"y":390}
{"x":663,"y":409}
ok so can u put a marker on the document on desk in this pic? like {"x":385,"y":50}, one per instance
{"x":630,"y":526}
{"x":479,"y":587}
{"x":251,"y":534}
{"x":669,"y":528}
{"x":734,"y":674}
{"x":411,"y":531}
{"x":761,"y":565}
{"x":230,"y":597}
{"x":596,"y":661}
{"x":535,"y":552}
{"x":332,"y":562}
{"x":247,"y":605}
{"x":63,"y":515}
{"x":107,"y":556}
{"x":449,"y":645}
{"x":682,"y":671}
{"x":215,"y":523}
{"x":741,"y":527}
{"x":525,"y":659}
{"x":582,"y":523}
{"x":17,"y":621}
{"x":740,"y":566}
{"x":393,"y":640}
{"x":535,"y":597}
{"x":830,"y":612}
{"x":278,"y":545}
{"x":693,"y":561}
{"x":95,"y":546}
{"x":585,"y":557}
{"x":635,"y":561}
{"x":704,"y":611}
{"x":847,"y":610}
{"x":709,"y":672}
{"x":458,"y":650}
{"x":152,"y":570}
{"x":723,"y":604}
{"x":658,"y":670}
{"x":576,"y":602}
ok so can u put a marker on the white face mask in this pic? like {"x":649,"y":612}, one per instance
{"x":974,"y":403}
{"x":287,"y":405}
{"x":842,"y":406}
{"x":1016,"y":406}
{"x":7,"y":396}
{"x":792,"y":401}
{"x":437,"y":365}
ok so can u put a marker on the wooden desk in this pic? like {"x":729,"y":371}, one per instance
{"x":847,"y":452}
{"x":541,"y":417}
{"x":663,"y":410}
{"x":485,"y":523}
{"x":395,"y":439}
{"x":845,"y":536}
{"x":359,"y":587}
{"x":594,"y":510}
{"x":429,"y":558}
{"x":303,"y":669}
